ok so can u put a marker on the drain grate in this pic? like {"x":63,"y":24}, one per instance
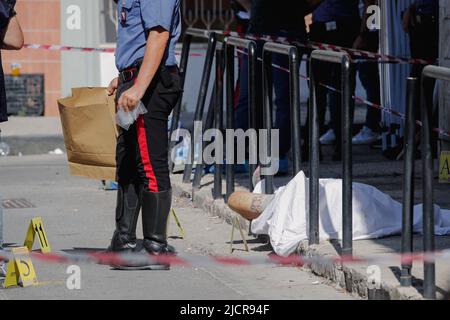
{"x":16,"y":204}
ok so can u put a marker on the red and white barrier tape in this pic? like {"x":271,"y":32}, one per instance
{"x":108,"y":258}
{"x":53,"y":47}
{"x":323,"y":46}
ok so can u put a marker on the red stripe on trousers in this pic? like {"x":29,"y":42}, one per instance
{"x":143,"y":147}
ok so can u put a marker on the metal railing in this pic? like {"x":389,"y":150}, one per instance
{"x":347,"y":105}
{"x":231,"y":44}
{"x":225,"y":64}
{"x":204,"y":85}
{"x":294,"y":79}
{"x":218,"y":118}
{"x":412,"y":102}
{"x":429,"y":73}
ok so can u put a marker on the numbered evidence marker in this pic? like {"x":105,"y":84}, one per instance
{"x":20,"y":270}
{"x":36,"y":228}
{"x":444,"y":167}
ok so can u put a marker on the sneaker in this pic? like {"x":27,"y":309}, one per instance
{"x":328,"y":138}
{"x":366,"y":136}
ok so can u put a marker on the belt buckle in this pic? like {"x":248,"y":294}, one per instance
{"x":127,"y":75}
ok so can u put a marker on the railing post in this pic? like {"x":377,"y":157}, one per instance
{"x":296,"y":140}
{"x":429,"y":284}
{"x":428,"y":73}
{"x":314,"y":149}
{"x":347,"y":106}
{"x":218,"y":119}
{"x":177,"y":110}
{"x":267,"y":116}
{"x":212,"y":41}
{"x":229,"y":167}
{"x":252,"y":108}
{"x":412,"y":96}
{"x":347,"y":103}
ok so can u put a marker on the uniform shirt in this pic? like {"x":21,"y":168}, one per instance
{"x":332,"y":10}
{"x":427,"y":6}
{"x":140,"y":17}
{"x":275,"y":17}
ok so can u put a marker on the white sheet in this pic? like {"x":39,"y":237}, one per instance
{"x":375,"y":214}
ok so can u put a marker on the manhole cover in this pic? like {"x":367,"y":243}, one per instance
{"x":16,"y":204}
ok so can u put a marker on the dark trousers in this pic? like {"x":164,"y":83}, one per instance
{"x":369,"y":75}
{"x":282,"y":98}
{"x":330,"y":74}
{"x":142,"y":151}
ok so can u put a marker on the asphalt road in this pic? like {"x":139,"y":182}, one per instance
{"x":80,"y":216}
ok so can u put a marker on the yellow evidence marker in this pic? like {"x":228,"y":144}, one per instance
{"x":444,"y":167}
{"x":178,"y":223}
{"x":20,"y":270}
{"x":37,"y":228}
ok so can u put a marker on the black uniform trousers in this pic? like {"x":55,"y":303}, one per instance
{"x":142,"y":151}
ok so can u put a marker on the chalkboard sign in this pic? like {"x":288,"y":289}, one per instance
{"x":25,"y":94}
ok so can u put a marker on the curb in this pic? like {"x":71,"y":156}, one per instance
{"x":354,"y":280}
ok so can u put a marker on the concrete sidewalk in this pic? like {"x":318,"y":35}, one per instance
{"x":369,"y":168}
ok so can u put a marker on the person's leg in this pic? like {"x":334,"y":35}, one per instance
{"x":369,"y":76}
{"x":241,"y":110}
{"x":153,"y":168}
{"x":344,"y":36}
{"x":334,"y":103}
{"x":129,"y":190}
{"x":282,"y":102}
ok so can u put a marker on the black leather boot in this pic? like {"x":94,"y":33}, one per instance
{"x":127,"y":213}
{"x":155,"y":213}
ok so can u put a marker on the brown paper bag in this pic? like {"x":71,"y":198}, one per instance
{"x":90,"y":133}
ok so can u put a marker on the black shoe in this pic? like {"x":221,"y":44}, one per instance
{"x":138,"y":259}
{"x":155,"y":213}
{"x":127,"y":213}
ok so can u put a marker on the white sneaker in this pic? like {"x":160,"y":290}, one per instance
{"x":366,"y":136}
{"x":328,"y":138}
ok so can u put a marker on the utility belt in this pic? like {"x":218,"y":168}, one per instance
{"x":164,"y":72}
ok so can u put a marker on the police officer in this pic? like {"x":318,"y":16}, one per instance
{"x":147,"y":34}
